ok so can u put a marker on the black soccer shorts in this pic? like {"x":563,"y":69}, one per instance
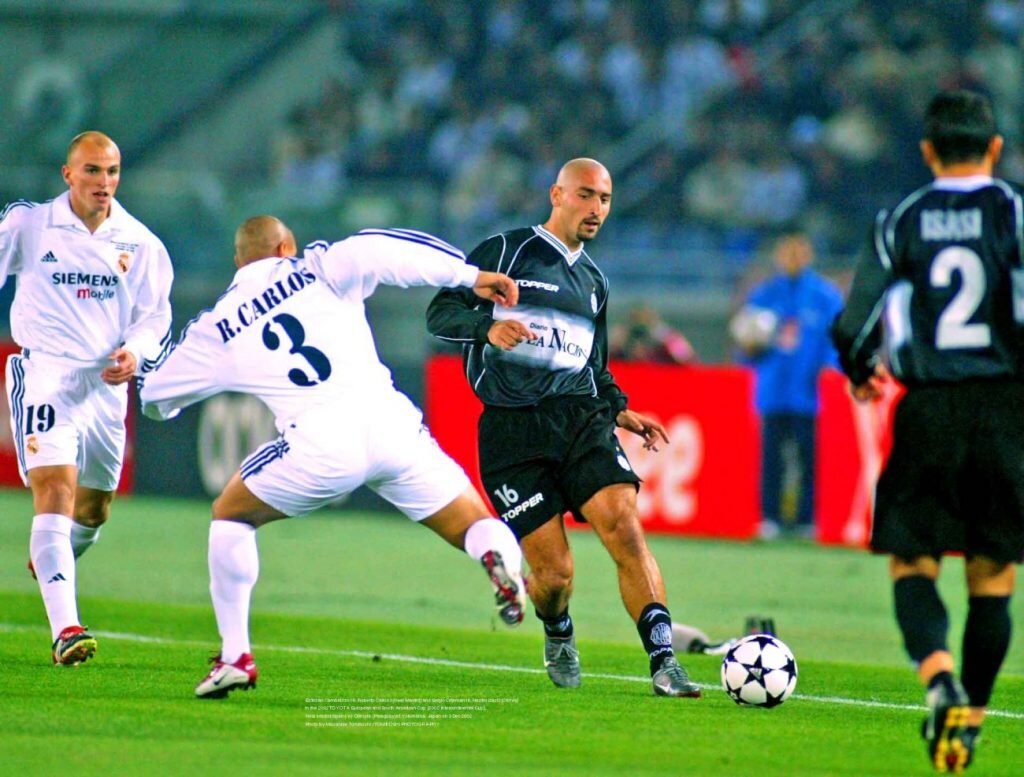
{"x":540,"y":461}
{"x":954,"y":481}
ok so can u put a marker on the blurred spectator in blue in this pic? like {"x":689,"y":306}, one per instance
{"x":782,"y":331}
{"x":645,"y":337}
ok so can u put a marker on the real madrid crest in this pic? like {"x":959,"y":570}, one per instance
{"x":124,"y":261}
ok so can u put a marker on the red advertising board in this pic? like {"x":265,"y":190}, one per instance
{"x":8,"y":458}
{"x":707,"y":481}
{"x":704,"y":482}
{"x":853,"y":441}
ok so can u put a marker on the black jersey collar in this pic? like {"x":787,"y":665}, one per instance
{"x":570,"y":256}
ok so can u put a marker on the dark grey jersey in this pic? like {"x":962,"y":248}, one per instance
{"x":562,"y":299}
{"x":939,"y":290}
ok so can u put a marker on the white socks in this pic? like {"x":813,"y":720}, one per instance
{"x":234,"y":567}
{"x":54,"y":562}
{"x":82,"y":537}
{"x":492,"y":534}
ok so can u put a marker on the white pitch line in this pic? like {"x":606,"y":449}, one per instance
{"x":147,"y":639}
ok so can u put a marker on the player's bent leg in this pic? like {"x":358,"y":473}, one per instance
{"x":550,"y":582}
{"x":466,"y":524}
{"x":924,"y":623}
{"x":550,"y":586}
{"x":92,"y":510}
{"x":613,"y":513}
{"x":234,"y":568}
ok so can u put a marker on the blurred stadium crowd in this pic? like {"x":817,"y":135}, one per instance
{"x":722,"y":120}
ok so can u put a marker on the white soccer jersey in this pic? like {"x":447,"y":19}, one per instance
{"x":80,"y":295}
{"x":293,"y":331}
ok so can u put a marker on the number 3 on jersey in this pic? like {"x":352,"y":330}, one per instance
{"x":313,"y":356}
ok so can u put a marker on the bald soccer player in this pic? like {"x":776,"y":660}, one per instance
{"x":547,"y":439}
{"x":90,"y":311}
{"x":292,"y":331}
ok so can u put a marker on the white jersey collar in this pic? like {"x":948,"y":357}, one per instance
{"x":63,"y":216}
{"x":964,"y":183}
{"x":570,"y":256}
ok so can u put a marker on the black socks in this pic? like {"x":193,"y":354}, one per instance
{"x":921,"y":616}
{"x":655,"y":629}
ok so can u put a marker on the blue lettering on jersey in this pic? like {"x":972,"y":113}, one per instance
{"x":264,"y":302}
{"x":89,"y":279}
{"x":558,"y":341}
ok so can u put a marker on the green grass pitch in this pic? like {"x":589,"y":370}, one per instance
{"x":378,"y":655}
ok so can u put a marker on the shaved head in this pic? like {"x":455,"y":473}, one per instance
{"x":581,"y":198}
{"x":92,"y":172}
{"x":575,"y":169}
{"x":261,"y":237}
{"x":91,"y":140}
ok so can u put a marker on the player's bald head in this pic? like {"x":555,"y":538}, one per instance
{"x":581,"y":198}
{"x":91,"y":140}
{"x":576,"y":170}
{"x":260,"y":237}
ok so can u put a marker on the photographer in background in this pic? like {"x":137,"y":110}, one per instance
{"x":645,"y":337}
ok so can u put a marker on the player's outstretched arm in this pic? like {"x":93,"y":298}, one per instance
{"x":497,"y":287}
{"x":648,"y":428}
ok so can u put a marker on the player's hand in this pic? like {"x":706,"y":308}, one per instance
{"x":498,"y":287}
{"x":122,"y":369}
{"x":507,"y":334}
{"x":874,"y":387}
{"x":646,"y":427}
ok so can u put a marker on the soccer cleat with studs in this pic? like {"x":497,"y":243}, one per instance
{"x":224,"y":678}
{"x":509,"y":589}
{"x":945,"y":728}
{"x":672,"y":680}
{"x":972,"y":734}
{"x":73,"y":646}
{"x":562,"y":660}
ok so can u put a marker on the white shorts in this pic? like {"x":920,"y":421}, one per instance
{"x":64,"y":414}
{"x":325,"y":455}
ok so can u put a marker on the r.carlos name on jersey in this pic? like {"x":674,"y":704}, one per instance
{"x":90,"y":285}
{"x":249,"y":312}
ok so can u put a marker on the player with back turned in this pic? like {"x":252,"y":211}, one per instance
{"x":547,"y":439}
{"x":292,"y":331}
{"x":939,"y":293}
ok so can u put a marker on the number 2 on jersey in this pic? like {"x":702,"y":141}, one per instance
{"x":315,"y":357}
{"x":953,"y":330}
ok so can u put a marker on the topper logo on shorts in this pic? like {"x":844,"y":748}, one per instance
{"x":522,"y":507}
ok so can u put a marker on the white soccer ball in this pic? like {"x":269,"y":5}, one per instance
{"x":759,"y":671}
{"x":754,"y":328}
